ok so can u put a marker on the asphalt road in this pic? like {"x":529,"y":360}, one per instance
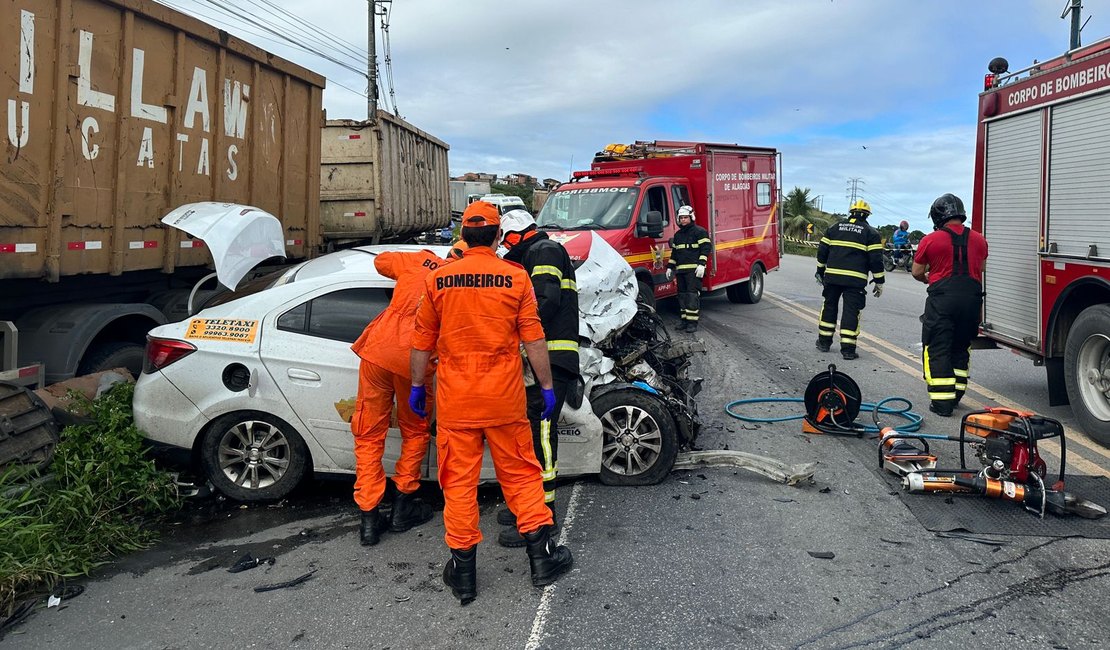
{"x":714,"y":557}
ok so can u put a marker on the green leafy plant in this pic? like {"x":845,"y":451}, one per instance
{"x":102,"y":494}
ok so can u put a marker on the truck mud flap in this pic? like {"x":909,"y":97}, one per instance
{"x":28,"y":432}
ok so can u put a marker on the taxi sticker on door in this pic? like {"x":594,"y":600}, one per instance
{"x":222,"y":329}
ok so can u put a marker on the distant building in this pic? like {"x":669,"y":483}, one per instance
{"x":551,"y":183}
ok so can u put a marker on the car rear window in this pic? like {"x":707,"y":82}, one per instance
{"x":340,"y":315}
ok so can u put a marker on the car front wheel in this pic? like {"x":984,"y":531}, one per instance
{"x":253,"y":456}
{"x":639,"y":439}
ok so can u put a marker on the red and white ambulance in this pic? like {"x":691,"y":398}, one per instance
{"x":1042,"y":199}
{"x":631,"y":194}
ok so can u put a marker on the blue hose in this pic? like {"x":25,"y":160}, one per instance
{"x":912,"y":423}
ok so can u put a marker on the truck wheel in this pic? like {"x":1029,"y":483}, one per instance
{"x":1087,"y":371}
{"x":113,"y":354}
{"x":647,"y":294}
{"x":639,"y":443}
{"x":253,"y":456}
{"x":749,"y":292}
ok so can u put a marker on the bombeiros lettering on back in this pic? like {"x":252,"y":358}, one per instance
{"x":474,"y":281}
{"x":91,"y":104}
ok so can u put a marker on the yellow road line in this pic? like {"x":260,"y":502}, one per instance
{"x":870,"y":343}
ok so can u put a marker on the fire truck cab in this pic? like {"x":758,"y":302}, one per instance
{"x":631,"y":195}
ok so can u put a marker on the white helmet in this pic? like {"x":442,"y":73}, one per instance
{"x":516,"y":220}
{"x":686,"y":211}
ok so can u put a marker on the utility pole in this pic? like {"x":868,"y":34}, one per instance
{"x":371,"y":63}
{"x":853,"y":189}
{"x":1073,"y":8}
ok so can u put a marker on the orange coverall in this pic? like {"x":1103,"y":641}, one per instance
{"x":383,"y":373}
{"x":474,"y":314}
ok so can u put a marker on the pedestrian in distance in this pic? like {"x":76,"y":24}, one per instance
{"x":552,"y":274}
{"x":690,"y":248}
{"x":848,"y":251}
{"x":476,"y":313}
{"x":384,"y":372}
{"x":950,"y":260}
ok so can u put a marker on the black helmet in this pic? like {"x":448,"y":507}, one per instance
{"x":947,"y":206}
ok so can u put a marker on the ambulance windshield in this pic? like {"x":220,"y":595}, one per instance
{"x":591,"y":208}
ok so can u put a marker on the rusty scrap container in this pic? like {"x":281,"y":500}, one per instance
{"x":117,"y":111}
{"x":381,"y":182}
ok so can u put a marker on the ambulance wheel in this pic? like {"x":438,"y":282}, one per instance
{"x":749,"y":292}
{"x":647,"y":294}
{"x":1087,"y":371}
{"x":253,"y":456}
{"x":639,"y":441}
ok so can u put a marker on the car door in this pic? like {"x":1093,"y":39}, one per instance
{"x":308,"y":354}
{"x":655,"y":200}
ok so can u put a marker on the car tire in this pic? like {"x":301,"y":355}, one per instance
{"x":749,"y":292}
{"x":1087,"y":353}
{"x":646,"y":293}
{"x":639,"y":441}
{"x":278,"y":462}
{"x":113,"y":354}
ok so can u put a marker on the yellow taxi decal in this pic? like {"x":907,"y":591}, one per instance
{"x":222,"y":329}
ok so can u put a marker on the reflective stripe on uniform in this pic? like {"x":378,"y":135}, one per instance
{"x":703,"y":240}
{"x":880,"y":274}
{"x":941,"y":396}
{"x":959,"y":373}
{"x":683,"y":267}
{"x":545,"y":444}
{"x":569,"y":285}
{"x":547,"y":269}
{"x":850,"y":274}
{"x":875,"y":247}
{"x":549,"y":496}
{"x":844,"y":332}
{"x":846,"y":244}
{"x":562,"y":346}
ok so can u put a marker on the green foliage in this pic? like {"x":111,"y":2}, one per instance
{"x":103,"y":491}
{"x":792,"y":248}
{"x":525,"y":193}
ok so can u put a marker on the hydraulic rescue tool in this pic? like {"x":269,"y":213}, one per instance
{"x":1005,"y":442}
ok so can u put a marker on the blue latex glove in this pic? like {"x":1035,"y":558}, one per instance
{"x":548,"y":403}
{"x":418,"y":398}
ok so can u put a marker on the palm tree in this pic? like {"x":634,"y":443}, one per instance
{"x":797,"y":209}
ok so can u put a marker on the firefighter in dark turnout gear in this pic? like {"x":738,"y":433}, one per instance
{"x":552,"y":274}
{"x":950,"y":260}
{"x":848,"y":251}
{"x":690,"y":248}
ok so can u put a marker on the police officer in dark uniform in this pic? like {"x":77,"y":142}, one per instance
{"x":690,"y":248}
{"x":950,"y":260}
{"x":552,"y":274}
{"x":848,"y":251}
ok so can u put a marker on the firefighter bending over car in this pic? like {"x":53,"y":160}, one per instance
{"x":383,"y":373}
{"x":690,"y":248}
{"x":847,"y":252}
{"x":475,"y":313}
{"x":552,"y":274}
{"x":950,"y":260}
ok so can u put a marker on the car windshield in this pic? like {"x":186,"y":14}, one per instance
{"x":257,"y":280}
{"x":589,"y":208}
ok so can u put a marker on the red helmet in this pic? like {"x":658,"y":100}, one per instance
{"x":905,"y":225}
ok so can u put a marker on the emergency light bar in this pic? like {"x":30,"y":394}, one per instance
{"x":612,"y":171}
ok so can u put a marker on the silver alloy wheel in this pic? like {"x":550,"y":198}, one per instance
{"x":756,"y":281}
{"x":1093,"y":368}
{"x":633,"y":440}
{"x":254,"y":454}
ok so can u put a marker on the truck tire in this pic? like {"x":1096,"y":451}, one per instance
{"x":639,"y":441}
{"x":1087,"y":371}
{"x":647,"y":294}
{"x":253,"y":456}
{"x":113,"y":354}
{"x":749,"y":292}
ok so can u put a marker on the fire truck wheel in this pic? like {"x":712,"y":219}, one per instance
{"x":647,"y":295}
{"x":639,"y":439}
{"x":749,"y":292}
{"x":1087,"y":371}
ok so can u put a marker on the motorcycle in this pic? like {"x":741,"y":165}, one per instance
{"x":895,"y":258}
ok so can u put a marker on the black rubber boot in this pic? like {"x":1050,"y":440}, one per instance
{"x":943,"y":409}
{"x":408,"y":510}
{"x":849,"y":354}
{"x":824,"y":346}
{"x":461,"y":574}
{"x":371,"y":528}
{"x":510,"y":537}
{"x":548,"y":560}
{"x":505,"y":517}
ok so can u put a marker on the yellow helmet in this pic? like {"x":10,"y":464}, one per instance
{"x":860,"y":206}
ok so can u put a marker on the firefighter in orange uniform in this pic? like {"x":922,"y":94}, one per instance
{"x":475,"y":313}
{"x":383,"y":373}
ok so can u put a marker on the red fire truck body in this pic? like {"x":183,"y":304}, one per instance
{"x":1042,"y":199}
{"x":631,"y":196}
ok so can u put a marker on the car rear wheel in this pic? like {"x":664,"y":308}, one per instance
{"x":1087,"y":371}
{"x":253,"y":456}
{"x":749,"y":292}
{"x":639,"y":442}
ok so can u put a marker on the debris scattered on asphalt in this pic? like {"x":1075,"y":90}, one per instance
{"x":784,"y":500}
{"x":695,"y":496}
{"x":891,"y":541}
{"x":401,"y":598}
{"x":285,"y":585}
{"x":825,"y":490}
{"x":978,"y":539}
{"x":822,"y":555}
{"x":250,"y":562}
{"x":53,"y":601}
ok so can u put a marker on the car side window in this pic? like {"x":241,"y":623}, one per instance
{"x":339,"y":315}
{"x":680,"y":196}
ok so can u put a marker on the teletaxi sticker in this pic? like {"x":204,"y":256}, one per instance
{"x":222,"y":329}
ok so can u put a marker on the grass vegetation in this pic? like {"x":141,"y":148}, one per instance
{"x":103,"y":493}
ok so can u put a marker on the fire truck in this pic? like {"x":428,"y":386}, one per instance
{"x":631,"y":195}
{"x":1042,"y":198}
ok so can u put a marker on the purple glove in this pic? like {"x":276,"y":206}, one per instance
{"x":548,"y":403}
{"x":418,"y":398}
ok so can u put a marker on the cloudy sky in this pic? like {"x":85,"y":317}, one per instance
{"x":880,"y":90}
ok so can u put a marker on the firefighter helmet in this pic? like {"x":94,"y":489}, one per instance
{"x":514,"y":224}
{"x":860,"y":207}
{"x":945,"y":208}
{"x":686,"y":211}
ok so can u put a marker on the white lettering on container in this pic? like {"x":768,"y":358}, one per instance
{"x":86,"y":96}
{"x":26,"y":52}
{"x":236,"y":100}
{"x":182,"y":138}
{"x":146,"y":149}
{"x":138,"y":108}
{"x":198,"y":101}
{"x":233,"y":169}
{"x":89,"y":126}
{"x":18,"y":139}
{"x":202,"y":163}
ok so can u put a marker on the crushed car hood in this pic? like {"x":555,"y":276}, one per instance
{"x":240,"y":236}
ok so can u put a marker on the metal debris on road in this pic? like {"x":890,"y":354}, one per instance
{"x":978,"y":539}
{"x":284,"y":585}
{"x":773,"y":469}
{"x":250,"y":562}
{"x":822,"y":555}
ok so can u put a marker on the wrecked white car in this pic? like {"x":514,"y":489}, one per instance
{"x":259,"y":388}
